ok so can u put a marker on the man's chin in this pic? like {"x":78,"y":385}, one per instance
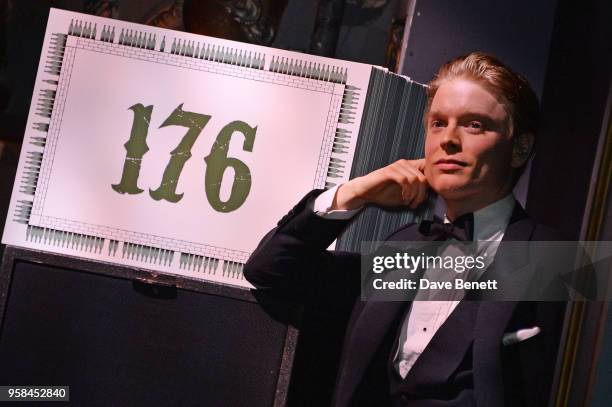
{"x":452,"y":191}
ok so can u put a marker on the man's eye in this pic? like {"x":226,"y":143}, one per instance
{"x":437,"y":123}
{"x":475,"y":125}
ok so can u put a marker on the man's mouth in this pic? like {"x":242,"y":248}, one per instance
{"x":449,"y":164}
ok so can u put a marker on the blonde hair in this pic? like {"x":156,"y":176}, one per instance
{"x":512,"y":89}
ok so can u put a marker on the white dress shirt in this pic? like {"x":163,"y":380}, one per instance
{"x":425,"y":317}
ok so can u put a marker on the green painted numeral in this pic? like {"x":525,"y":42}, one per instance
{"x":218,"y":161}
{"x":195,"y":122}
{"x":135,"y":147}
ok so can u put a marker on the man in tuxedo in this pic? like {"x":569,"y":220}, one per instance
{"x":481,"y":122}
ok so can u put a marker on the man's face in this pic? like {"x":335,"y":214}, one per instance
{"x":468,"y":149}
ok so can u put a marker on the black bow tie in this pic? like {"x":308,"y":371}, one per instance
{"x":461,"y":228}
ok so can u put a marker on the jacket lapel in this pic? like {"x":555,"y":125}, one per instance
{"x":370,"y":323}
{"x":511,"y":266}
{"x":446,"y":349}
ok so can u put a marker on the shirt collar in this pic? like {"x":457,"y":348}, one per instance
{"x":492,"y":219}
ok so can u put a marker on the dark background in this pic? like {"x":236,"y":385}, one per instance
{"x":563,"y":47}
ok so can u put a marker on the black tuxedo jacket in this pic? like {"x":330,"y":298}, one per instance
{"x":292,"y":263}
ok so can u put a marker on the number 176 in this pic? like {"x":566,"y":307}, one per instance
{"x":216,"y":162}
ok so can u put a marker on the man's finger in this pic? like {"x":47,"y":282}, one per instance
{"x":419,"y":164}
{"x":400,"y":178}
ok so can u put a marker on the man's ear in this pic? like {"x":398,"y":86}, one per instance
{"x":521,"y":149}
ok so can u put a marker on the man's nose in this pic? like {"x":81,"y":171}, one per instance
{"x":451,"y":140}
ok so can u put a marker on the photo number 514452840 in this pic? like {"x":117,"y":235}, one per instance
{"x":216,"y":162}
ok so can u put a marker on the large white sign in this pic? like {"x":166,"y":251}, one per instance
{"x":172,"y":151}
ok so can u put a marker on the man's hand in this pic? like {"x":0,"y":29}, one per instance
{"x":399,"y":184}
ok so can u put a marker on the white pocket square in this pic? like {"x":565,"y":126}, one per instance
{"x":520,"y":335}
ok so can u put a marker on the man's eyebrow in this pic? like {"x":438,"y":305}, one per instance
{"x":477,"y":115}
